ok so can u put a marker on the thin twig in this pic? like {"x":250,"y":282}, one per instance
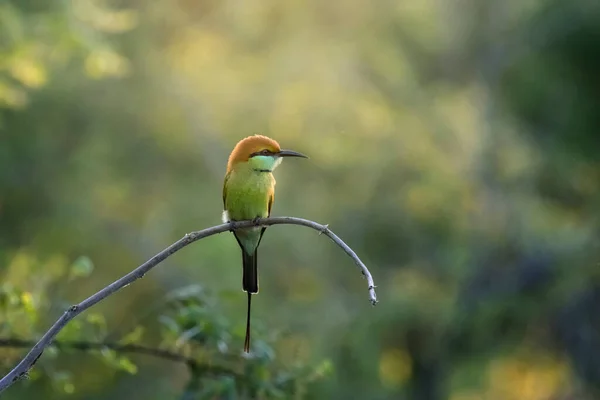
{"x":130,"y":348}
{"x":30,"y":359}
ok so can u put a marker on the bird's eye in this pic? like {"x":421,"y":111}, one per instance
{"x":265,"y":151}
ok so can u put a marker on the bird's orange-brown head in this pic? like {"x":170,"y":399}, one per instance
{"x":251,"y":145}
{"x":261,"y":148}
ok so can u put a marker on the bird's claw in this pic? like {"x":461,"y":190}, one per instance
{"x":256,"y":220}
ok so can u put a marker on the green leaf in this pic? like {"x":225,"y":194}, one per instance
{"x":128,"y":366}
{"x":81,"y":267}
{"x":134,"y":336}
{"x":112,"y":358}
{"x":325,"y":368}
{"x":169,"y":323}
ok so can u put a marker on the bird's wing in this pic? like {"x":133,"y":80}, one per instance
{"x":225,"y":190}
{"x":271,"y":198}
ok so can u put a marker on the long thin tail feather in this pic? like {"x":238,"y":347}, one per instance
{"x":247,"y":340}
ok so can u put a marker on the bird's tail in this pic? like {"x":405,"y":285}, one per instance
{"x":250,"y":278}
{"x":250,"y":285}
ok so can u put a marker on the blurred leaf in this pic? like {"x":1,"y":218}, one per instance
{"x":98,"y":325}
{"x":123,"y":363}
{"x":28,"y":304}
{"x":134,"y":336}
{"x":82,"y":267}
{"x":169,"y":323}
{"x":194,"y":291}
{"x":324,"y":369}
{"x":64,"y":381}
{"x":186,"y":336}
{"x":126,"y":365}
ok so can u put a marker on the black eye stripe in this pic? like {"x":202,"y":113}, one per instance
{"x":264,"y":152}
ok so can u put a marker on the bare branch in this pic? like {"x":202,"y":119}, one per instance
{"x":30,"y":359}
{"x":82,"y":345}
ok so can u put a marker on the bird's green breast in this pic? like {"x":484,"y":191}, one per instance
{"x":247,"y":194}
{"x":247,"y":197}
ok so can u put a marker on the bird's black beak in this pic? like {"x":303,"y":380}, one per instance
{"x":290,"y":153}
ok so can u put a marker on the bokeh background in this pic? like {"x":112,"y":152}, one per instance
{"x":454,"y":145}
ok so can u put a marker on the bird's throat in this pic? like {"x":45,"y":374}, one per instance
{"x":264,"y":163}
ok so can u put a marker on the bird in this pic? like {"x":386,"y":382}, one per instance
{"x":248,"y":194}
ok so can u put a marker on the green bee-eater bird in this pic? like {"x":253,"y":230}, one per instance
{"x":248,"y":193}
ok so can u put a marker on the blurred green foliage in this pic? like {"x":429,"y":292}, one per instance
{"x":453,"y":147}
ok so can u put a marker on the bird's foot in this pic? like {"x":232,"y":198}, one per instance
{"x":256,"y":220}
{"x":232,"y":226}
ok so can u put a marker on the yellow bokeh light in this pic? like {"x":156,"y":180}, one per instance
{"x":523,"y":379}
{"x":106,"y":63}
{"x":395,"y":367}
{"x":29,"y":72}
